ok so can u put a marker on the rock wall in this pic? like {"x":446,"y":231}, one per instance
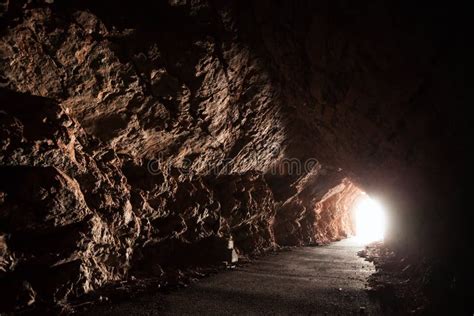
{"x":175,"y":83}
{"x":67,"y":222}
{"x":138,"y":130}
{"x":335,"y":217}
{"x":76,"y":216}
{"x":144,"y":150}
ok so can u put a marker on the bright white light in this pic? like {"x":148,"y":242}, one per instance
{"x":370,"y":220}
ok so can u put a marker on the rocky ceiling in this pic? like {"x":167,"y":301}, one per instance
{"x":137,"y":130}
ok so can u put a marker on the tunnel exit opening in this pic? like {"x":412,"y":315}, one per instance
{"x":370,"y":219}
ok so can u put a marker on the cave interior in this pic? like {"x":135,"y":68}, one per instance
{"x":140,"y":140}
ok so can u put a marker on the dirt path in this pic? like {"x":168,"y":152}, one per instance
{"x":328,"y":280}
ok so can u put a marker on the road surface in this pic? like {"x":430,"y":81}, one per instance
{"x":326,"y":280}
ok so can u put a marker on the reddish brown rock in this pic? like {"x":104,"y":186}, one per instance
{"x":222,"y":94}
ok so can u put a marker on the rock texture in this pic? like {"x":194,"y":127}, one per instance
{"x":67,"y":221}
{"x":145,"y":137}
{"x":319,"y":210}
{"x":76,"y":216}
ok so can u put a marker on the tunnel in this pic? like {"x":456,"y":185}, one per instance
{"x":308,"y":157}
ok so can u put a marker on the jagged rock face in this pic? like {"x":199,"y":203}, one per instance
{"x":295,"y":220}
{"x":129,"y":100}
{"x":67,"y":222}
{"x":319,"y":212}
{"x":133,"y":136}
{"x":146,"y":87}
{"x":75,"y":216}
{"x":335,"y":217}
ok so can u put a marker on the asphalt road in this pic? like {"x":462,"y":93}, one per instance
{"x":326,"y":280}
